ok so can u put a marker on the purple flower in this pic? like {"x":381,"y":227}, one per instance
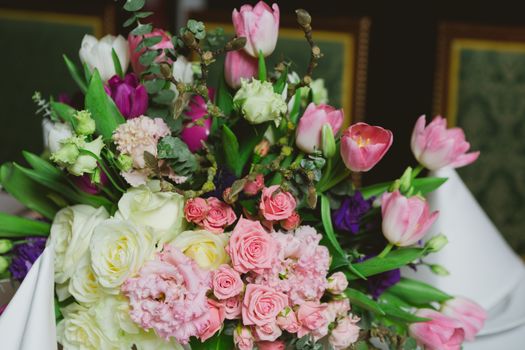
{"x":352,"y":209}
{"x":25,"y":255}
{"x":377,"y":284}
{"x":84,"y":183}
{"x":130,"y":97}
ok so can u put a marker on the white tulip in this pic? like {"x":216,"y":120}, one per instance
{"x":97,"y":54}
{"x":54,"y":134}
{"x":182,"y":70}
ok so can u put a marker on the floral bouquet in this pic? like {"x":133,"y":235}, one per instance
{"x":188,"y":216}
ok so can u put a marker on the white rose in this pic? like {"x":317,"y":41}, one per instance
{"x":146,"y":205}
{"x":54,"y":134}
{"x":86,"y":163}
{"x":258,"y":102}
{"x":97,"y":54}
{"x":70,"y":234}
{"x":83,"y":285}
{"x":112,"y":316}
{"x":206,"y":248}
{"x":118,"y":250}
{"x":79,"y":330}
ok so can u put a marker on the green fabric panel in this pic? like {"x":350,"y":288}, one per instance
{"x":491,"y":109}
{"x":32,"y":61}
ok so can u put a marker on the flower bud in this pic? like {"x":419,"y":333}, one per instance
{"x":5,"y":246}
{"x":85,"y":124}
{"x":4,"y":264}
{"x":436,"y":243}
{"x":67,"y":154}
{"x":439,"y":270}
{"x":328,"y":141}
{"x":406,"y":180}
{"x":303,"y":17}
{"x":124,"y":162}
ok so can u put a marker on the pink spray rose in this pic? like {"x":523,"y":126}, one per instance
{"x":259,"y":25}
{"x":250,"y":247}
{"x":363,"y":146}
{"x":271,"y":345}
{"x":251,"y":188}
{"x":405,"y":220}
{"x":308,"y":136}
{"x":337,"y":308}
{"x":440,"y":333}
{"x":215,"y":320}
{"x":276,"y":204}
{"x":226,"y":282}
{"x":261,"y":305}
{"x":243,"y":338}
{"x":468,"y":313}
{"x":268,"y":332}
{"x":134,"y":41}
{"x":232,"y":307}
{"x":220,"y":215}
{"x":312,"y":318}
{"x":239,"y":65}
{"x":337,"y":283}
{"x":292,"y":222}
{"x":435,"y":146}
{"x":287,"y":320}
{"x":196,"y":209}
{"x":344,"y":334}
{"x":169,"y":295}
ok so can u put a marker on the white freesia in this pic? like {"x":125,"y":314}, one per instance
{"x":54,"y":133}
{"x":83,"y":285}
{"x":112,"y":316}
{"x":258,"y":102}
{"x":206,"y":248}
{"x":97,"y":54}
{"x":118,"y":250}
{"x":147,"y":205}
{"x":71,"y":233}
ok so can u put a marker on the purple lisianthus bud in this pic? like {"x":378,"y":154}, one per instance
{"x":348,"y":216}
{"x":130,"y":97}
{"x":84,"y":183}
{"x":193,"y":134}
{"x":24,"y":256}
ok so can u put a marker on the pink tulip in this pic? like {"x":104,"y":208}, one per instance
{"x":468,"y":313}
{"x":193,"y":134}
{"x":405,"y":220}
{"x":308,"y":134}
{"x":134,"y":41}
{"x":435,"y":146}
{"x":239,"y":65}
{"x":363,"y":146}
{"x":441,"y":333}
{"x":259,"y":25}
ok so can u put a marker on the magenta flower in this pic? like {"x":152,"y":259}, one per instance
{"x":85,"y":185}
{"x":192,"y":134}
{"x":130,"y":97}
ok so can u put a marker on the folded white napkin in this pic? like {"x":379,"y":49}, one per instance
{"x":28,"y":322}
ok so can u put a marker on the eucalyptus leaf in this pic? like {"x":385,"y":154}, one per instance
{"x":130,"y":21}
{"x":142,"y":29}
{"x":147,"y":58}
{"x":176,"y":152}
{"x":143,"y":14}
{"x":134,"y":5}
{"x":151,"y":41}
{"x":153,"y":86}
{"x":164,"y":97}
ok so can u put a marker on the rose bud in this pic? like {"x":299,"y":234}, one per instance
{"x":239,"y":65}
{"x":468,"y":313}
{"x":292,"y":222}
{"x":97,"y":54}
{"x":130,"y":97}
{"x":252,"y":187}
{"x":363,"y":146}
{"x":435,"y":146}
{"x":309,"y":130}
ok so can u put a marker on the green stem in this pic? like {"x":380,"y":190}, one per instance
{"x":298,"y":160}
{"x":385,"y":251}
{"x":104,"y":169}
{"x":417,"y":170}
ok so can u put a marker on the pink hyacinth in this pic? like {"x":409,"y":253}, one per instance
{"x":435,"y":146}
{"x":169,"y":296}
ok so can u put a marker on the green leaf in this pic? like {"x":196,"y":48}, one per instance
{"x":361,"y":345}
{"x":151,"y":41}
{"x":180,"y":158}
{"x":13,"y":226}
{"x":294,"y":113}
{"x":417,"y":293}
{"x":130,"y":21}
{"x":328,"y":227}
{"x":87,"y":72}
{"x":262,"y":67}
{"x":148,"y":57}
{"x":143,"y":14}
{"x":164,"y":97}
{"x":361,"y":299}
{"x":142,"y":29}
{"x":153,"y":86}
{"x":393,"y":260}
{"x":410,"y":344}
{"x":427,"y":184}
{"x":219,"y":341}
{"x":393,"y":311}
{"x":116,"y":63}
{"x":65,"y":112}
{"x":279,"y":85}
{"x":231,"y":150}
{"x":75,"y":74}
{"x":42,"y":166}
{"x":134,"y":5}
{"x":224,"y":99}
{"x":375,"y":190}
{"x":103,"y":110}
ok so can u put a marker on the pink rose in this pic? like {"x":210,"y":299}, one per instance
{"x":226,"y":282}
{"x":435,"y":146}
{"x":308,"y":135}
{"x":440,"y":333}
{"x":344,"y":334}
{"x":252,"y":187}
{"x":292,"y":222}
{"x":220,"y":215}
{"x":337,"y":308}
{"x":276,"y":204}
{"x":337,"y":283}
{"x":215,"y":320}
{"x":243,"y":338}
{"x":288,"y":321}
{"x":271,"y":345}
{"x":232,"y":307}
{"x":311,"y":316}
{"x":196,"y":210}
{"x":261,"y":305}
{"x":250,"y":247}
{"x":268,"y":332}
{"x":468,"y":313}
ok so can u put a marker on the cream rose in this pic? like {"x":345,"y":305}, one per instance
{"x":118,"y":250}
{"x":112,"y":315}
{"x":83,"y":285}
{"x":258,"y":102}
{"x":206,"y":248}
{"x":70,"y":235}
{"x":146,"y":205}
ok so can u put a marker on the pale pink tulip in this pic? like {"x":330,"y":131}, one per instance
{"x":259,"y":25}
{"x":308,"y":133}
{"x":405,"y":220}
{"x":239,"y":65}
{"x":440,"y":333}
{"x":363,"y":146}
{"x":435,"y":146}
{"x":468,"y":313}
